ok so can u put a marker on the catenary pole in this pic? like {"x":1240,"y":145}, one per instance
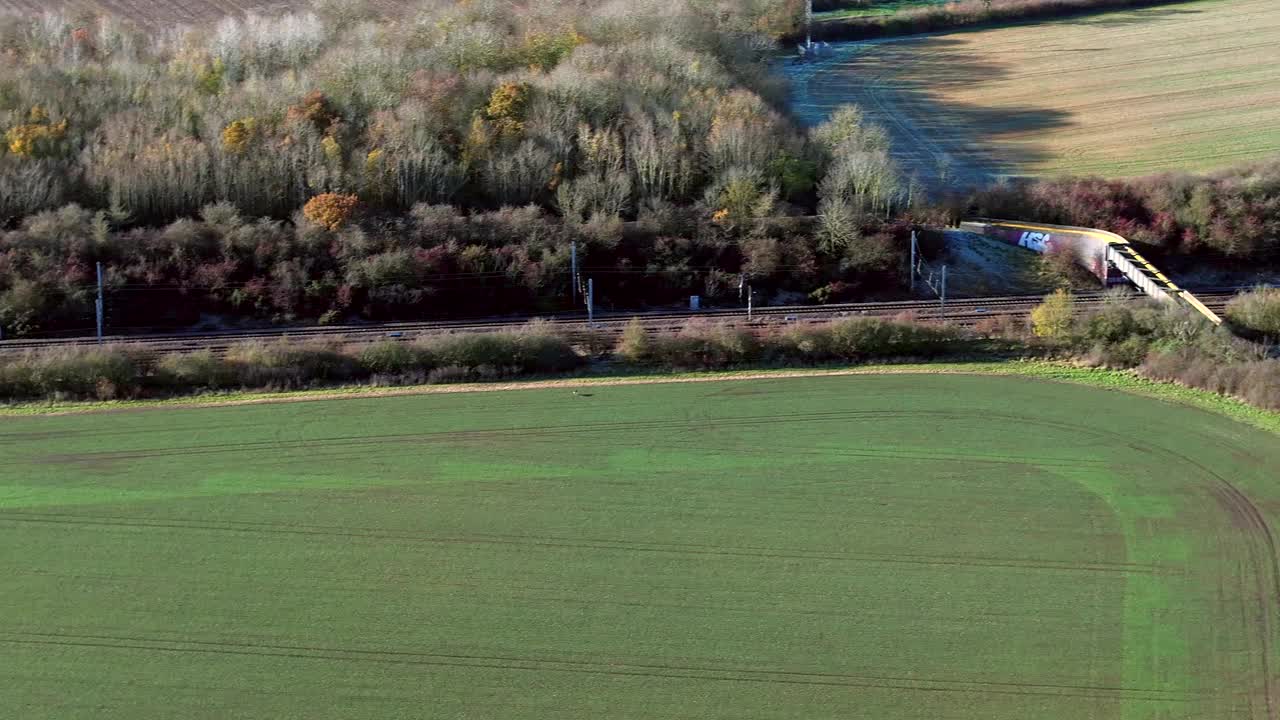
{"x":98,"y":304}
{"x":591,"y":302}
{"x":573,"y":280}
{"x":808,"y":25}
{"x":913,"y":262}
{"x":944,"y":292}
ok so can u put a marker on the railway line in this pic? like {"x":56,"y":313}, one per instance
{"x":964,"y":312}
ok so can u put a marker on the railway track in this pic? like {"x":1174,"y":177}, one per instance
{"x":965,"y":312}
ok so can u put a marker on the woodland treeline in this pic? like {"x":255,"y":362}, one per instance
{"x":330,"y":164}
{"x":338,"y":165}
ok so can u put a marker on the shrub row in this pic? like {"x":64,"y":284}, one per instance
{"x":1168,"y":343}
{"x":1257,"y":382}
{"x":102,"y":373}
{"x":707,"y":346}
{"x":1156,"y":341}
{"x":114,"y":372}
{"x":1257,"y":314}
{"x":111,"y":372}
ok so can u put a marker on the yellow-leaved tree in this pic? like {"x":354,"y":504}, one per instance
{"x":331,"y":210}
{"x":507,"y":106}
{"x":1054,"y":319}
{"x":237,"y":135}
{"x":38,"y":137}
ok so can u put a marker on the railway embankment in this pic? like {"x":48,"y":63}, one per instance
{"x":1154,"y":340}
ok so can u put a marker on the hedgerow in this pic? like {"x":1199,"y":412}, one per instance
{"x":1257,"y":313}
{"x":111,"y":372}
{"x":534,"y":350}
{"x":1154,"y":341}
{"x":1170,"y":343}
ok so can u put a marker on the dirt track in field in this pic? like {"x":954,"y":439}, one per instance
{"x":1177,"y":87}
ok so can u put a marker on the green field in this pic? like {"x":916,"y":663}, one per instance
{"x":882,"y":547}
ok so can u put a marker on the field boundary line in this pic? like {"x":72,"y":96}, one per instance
{"x":1043,"y":370}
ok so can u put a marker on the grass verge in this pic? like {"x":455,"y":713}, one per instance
{"x":1119,"y":380}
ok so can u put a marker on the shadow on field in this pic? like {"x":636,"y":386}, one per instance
{"x":1124,"y":18}
{"x":902,"y":85}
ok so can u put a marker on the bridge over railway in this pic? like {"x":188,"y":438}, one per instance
{"x":1109,"y":256}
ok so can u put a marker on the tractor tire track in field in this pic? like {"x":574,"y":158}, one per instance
{"x":1261,"y":546}
{"x":1149,"y":60}
{"x":916,"y":454}
{"x":468,"y":435}
{"x":965,"y":167}
{"x":624,"y":669}
{"x":1263,"y":567}
{"x":906,"y":137}
{"x":563,"y":543}
{"x":558,"y":431}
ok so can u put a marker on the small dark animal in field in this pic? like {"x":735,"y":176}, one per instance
{"x":582,"y":394}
